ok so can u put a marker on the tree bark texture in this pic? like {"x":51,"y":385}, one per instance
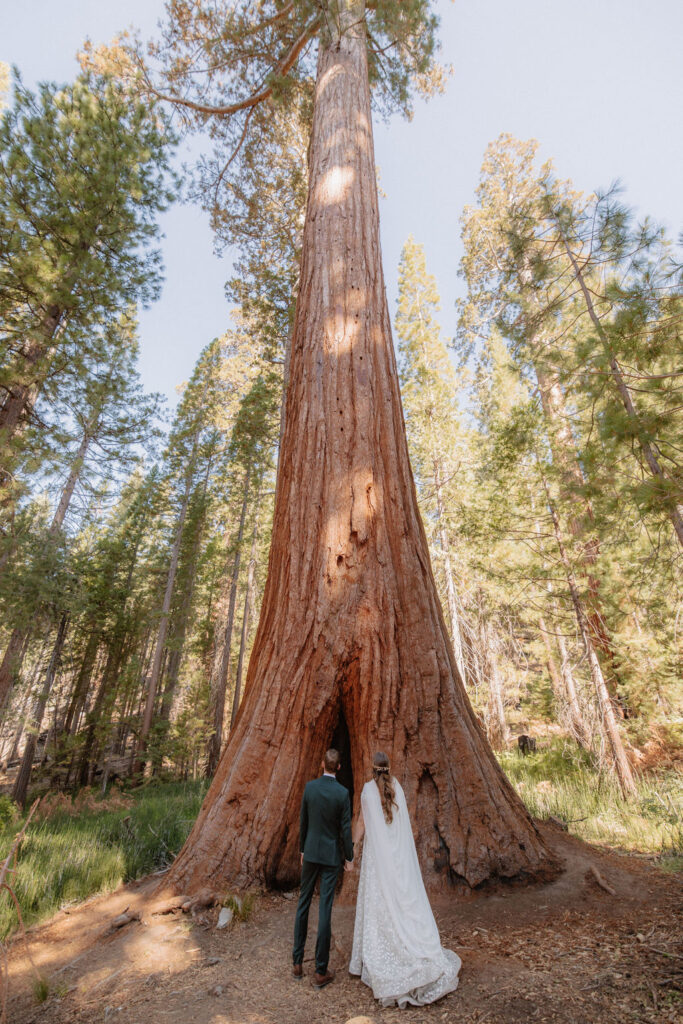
{"x":351,"y":628}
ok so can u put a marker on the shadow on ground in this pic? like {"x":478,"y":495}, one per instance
{"x":567,"y":952}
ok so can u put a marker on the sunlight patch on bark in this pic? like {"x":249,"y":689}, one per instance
{"x":335,"y":185}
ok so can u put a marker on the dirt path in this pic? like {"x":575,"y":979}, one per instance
{"x":564,"y":952}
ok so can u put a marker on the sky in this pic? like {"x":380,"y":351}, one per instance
{"x":599,"y":83}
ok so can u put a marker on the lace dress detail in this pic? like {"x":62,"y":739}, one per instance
{"x":396,"y":946}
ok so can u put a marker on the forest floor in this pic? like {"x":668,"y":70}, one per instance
{"x":565,"y":952}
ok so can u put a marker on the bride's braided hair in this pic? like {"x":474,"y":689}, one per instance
{"x":382,"y":775}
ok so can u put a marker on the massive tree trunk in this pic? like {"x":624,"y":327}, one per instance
{"x":351,"y":641}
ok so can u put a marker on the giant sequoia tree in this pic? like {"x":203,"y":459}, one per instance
{"x":351,"y":646}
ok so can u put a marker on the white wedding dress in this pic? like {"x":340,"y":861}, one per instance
{"x":396,"y":946}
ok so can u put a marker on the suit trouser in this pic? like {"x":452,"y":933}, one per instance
{"x":328,"y":881}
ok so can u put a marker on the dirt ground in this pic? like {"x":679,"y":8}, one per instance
{"x":564,"y":952}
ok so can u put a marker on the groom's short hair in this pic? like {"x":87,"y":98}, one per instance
{"x":331,"y":760}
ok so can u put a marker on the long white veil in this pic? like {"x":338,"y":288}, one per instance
{"x":398,"y":872}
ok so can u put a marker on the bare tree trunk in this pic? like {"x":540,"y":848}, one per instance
{"x":19,"y":640}
{"x":12,"y":746}
{"x":451,"y":597}
{"x":564,"y":686}
{"x":82,"y":683}
{"x":219,"y":681}
{"x":159,"y":648}
{"x":182,"y":618}
{"x":646,"y":446}
{"x":23,"y":778}
{"x":580,"y":517}
{"x":608,"y":721}
{"x":86,"y":764}
{"x":498,"y":731}
{"x":351,"y":634}
{"x":71,"y":481}
{"x":248,"y":599}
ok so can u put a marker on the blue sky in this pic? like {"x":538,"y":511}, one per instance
{"x":598,"y":82}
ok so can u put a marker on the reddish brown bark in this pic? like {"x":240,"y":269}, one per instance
{"x":351,"y":628}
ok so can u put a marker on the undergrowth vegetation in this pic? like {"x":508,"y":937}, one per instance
{"x":91,"y":844}
{"x":559,"y":781}
{"x":69,"y":856}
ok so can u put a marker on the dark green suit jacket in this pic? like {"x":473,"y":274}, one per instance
{"x":325,"y":823}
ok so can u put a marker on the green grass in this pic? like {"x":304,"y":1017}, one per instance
{"x":559,"y":781}
{"x":66,"y":858}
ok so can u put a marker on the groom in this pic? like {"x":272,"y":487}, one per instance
{"x":325,"y":825}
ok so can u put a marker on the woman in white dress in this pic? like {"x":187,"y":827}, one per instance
{"x":396,"y":946}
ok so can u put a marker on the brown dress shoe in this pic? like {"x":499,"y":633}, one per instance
{"x":320,"y":980}
{"x":298,"y":971}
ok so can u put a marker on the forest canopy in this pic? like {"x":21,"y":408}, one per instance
{"x":544,"y":437}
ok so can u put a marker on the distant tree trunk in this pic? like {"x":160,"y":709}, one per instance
{"x":550,"y":663}
{"x":577,"y":720}
{"x":72,"y":479}
{"x":448,"y":571}
{"x":219,"y":681}
{"x":580,"y":516}
{"x":564,"y":687}
{"x":86,"y":763}
{"x":248,"y":599}
{"x":351,"y":638}
{"x":23,"y":778}
{"x":82,"y":683}
{"x":182,"y":618}
{"x":14,"y":739}
{"x":19,"y":640}
{"x":497,"y":727}
{"x":160,"y":645}
{"x":608,"y":722}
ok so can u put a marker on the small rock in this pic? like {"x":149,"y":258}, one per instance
{"x":360,"y":1020}
{"x":217,"y":990}
{"x":225,"y":917}
{"x":640,"y":937}
{"x":213,"y":960}
{"x":289,"y":895}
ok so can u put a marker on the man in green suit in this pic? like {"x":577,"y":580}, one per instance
{"x":324,"y":832}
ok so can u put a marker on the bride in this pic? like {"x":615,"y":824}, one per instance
{"x":396,"y":945}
